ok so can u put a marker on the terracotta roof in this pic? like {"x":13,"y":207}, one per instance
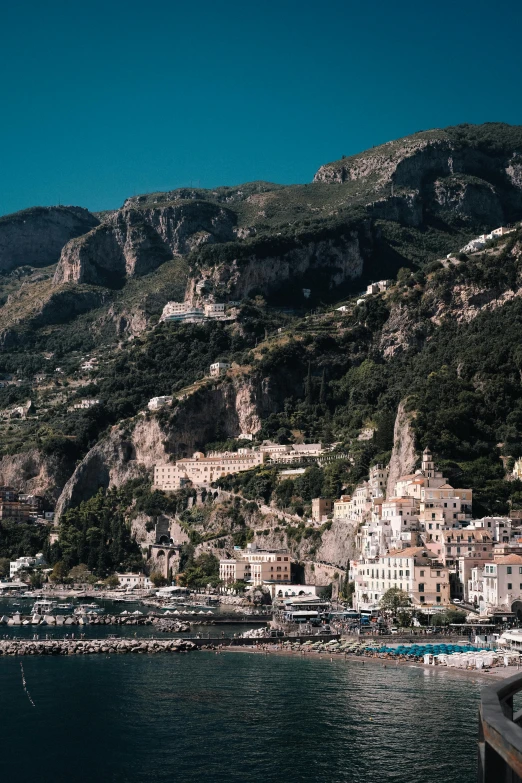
{"x":409,"y":476}
{"x":411,"y":551}
{"x":509,"y":560}
{"x":464,"y":533}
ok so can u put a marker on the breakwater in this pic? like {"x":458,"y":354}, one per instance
{"x":68,"y":621}
{"x":93,"y":646}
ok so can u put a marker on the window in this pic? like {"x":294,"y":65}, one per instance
{"x":422,"y":573}
{"x":438,"y":599}
{"x":510,"y":586}
{"x":438,"y":587}
{"x":509,"y":570}
{"x":422,"y":599}
{"x":421,"y":587}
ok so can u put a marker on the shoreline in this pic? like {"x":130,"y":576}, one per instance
{"x":497,"y":672}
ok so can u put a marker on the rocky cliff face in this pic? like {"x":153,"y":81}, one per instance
{"x":134,"y":242}
{"x":437,"y":166}
{"x":226,"y":408}
{"x":403,"y":456}
{"x":36,"y":236}
{"x":35,"y":473}
{"x":30,"y":309}
{"x":338,"y":260}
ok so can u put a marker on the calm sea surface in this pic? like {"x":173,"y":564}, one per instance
{"x":233,"y":717}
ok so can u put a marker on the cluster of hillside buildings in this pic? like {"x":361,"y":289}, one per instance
{"x":216,"y":369}
{"x":424,"y":541}
{"x":20,"y":507}
{"x":188,"y":313}
{"x":25,"y":563}
{"x":85,"y":404}
{"x":481,"y":241}
{"x":200,"y":470}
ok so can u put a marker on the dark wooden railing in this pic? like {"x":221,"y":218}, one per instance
{"x":500,"y":733}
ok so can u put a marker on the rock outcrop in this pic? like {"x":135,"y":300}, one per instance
{"x":224,"y":409}
{"x":448,"y":168}
{"x":35,"y":473}
{"x":36,"y":236}
{"x":404,"y":457}
{"x":329,"y":261}
{"x":134,"y":242}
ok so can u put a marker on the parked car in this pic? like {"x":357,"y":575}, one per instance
{"x":394,"y":629}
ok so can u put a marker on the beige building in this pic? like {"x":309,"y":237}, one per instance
{"x":343,"y":508}
{"x":215,"y":310}
{"x":155,"y":403}
{"x":14,"y":510}
{"x":218,"y":368}
{"x":465,"y":543}
{"x":256,"y":566}
{"x":134,"y":581}
{"x":200,"y":470}
{"x":414,"y":571}
{"x":321,"y":507}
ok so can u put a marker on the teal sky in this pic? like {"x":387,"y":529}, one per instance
{"x":103,"y":100}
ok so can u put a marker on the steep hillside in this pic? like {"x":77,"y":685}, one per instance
{"x":134,"y":242}
{"x":436,"y":356}
{"x":405,"y":203}
{"x":445,"y":374}
{"x":36,"y":236}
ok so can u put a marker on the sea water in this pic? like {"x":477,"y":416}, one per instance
{"x":234,"y":717}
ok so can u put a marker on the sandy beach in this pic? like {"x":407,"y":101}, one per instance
{"x":497,"y":672}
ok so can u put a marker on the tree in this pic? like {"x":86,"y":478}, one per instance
{"x":322,"y":391}
{"x":240,"y":586}
{"x":393,"y":599}
{"x":59,"y":572}
{"x":112,"y":581}
{"x":36,"y":579}
{"x":157,"y":579}
{"x":79,"y":573}
{"x":448,"y":617}
{"x":201,"y":571}
{"x":308,"y":385}
{"x":4,"y":566}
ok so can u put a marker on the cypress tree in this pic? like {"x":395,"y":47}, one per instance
{"x":322,"y":392}
{"x":308,"y":385}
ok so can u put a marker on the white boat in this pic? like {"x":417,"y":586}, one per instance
{"x":44,"y":607}
{"x":89,"y":609}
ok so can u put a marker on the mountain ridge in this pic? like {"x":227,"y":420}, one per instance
{"x":437,"y":349}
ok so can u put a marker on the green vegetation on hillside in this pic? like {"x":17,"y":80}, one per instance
{"x":97,"y":533}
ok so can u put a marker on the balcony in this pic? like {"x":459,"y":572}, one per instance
{"x":500,"y":733}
